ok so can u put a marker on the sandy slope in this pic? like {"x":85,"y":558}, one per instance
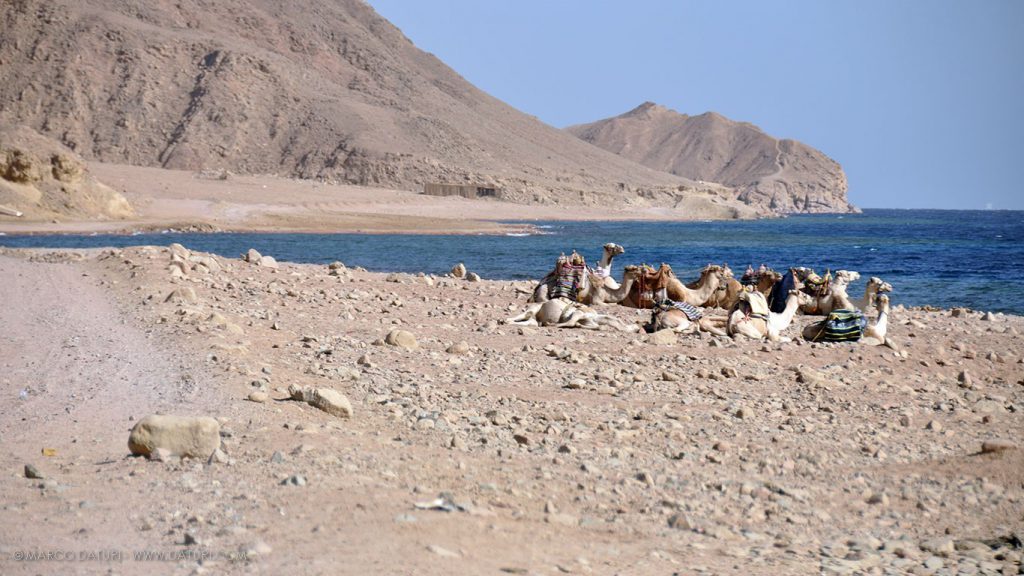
{"x":189,"y":200}
{"x":605,"y":455}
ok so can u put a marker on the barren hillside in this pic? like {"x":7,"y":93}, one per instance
{"x":777,"y":175}
{"x":329,"y":90}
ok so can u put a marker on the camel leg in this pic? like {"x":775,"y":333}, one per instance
{"x":527,"y":318}
{"x":706,"y":325}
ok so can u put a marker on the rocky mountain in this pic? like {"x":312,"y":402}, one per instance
{"x":322,"y":89}
{"x":771,"y":174}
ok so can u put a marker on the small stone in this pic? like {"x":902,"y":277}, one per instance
{"x":402,"y":339}
{"x":662,"y":338}
{"x":459,"y":270}
{"x":183,"y":436}
{"x":680,"y":522}
{"x":744,"y":413}
{"x":252,"y":256}
{"x":729,"y":372}
{"x":472,"y":277}
{"x":295,"y":480}
{"x":934,"y":425}
{"x":461,"y":347}
{"x":32,"y":472}
{"x":255,"y":549}
{"x":258,"y":397}
{"x":939,"y":546}
{"x":988,"y":317}
{"x":993,"y":446}
{"x":443,"y":552}
{"x":964,"y":378}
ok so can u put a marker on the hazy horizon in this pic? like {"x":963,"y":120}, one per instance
{"x":918,"y":101}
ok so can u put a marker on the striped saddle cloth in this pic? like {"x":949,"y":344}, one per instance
{"x":691,"y":311}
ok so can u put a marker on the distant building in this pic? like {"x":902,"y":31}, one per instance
{"x":464,"y":190}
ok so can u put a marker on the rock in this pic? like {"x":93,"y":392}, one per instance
{"x":331,"y":401}
{"x":184,"y":436}
{"x":679,"y":522}
{"x":402,"y":339}
{"x":443,"y":552}
{"x":267,"y":262}
{"x":257,"y":548}
{"x":934,"y":426}
{"x":459,"y":270}
{"x":252,"y":256}
{"x":472,"y":277}
{"x":461,"y":347}
{"x":939,"y":546}
{"x":988,"y":317}
{"x":179,"y":251}
{"x":662,"y":338}
{"x":729,"y":372}
{"x":183,"y":295}
{"x":993,"y":446}
{"x":258,"y":397}
{"x":295,"y":480}
{"x":744,"y":413}
{"x":33,"y":473}
{"x":964,"y":378}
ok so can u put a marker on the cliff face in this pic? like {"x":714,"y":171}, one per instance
{"x":770,"y":174}
{"x":321,"y":89}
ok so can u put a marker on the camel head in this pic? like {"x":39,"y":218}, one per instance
{"x":803,"y":298}
{"x":630,"y":271}
{"x":882,"y":303}
{"x":613,"y":249}
{"x":882,"y":286}
{"x":846,"y":276}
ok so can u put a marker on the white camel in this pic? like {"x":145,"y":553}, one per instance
{"x":604,"y":267}
{"x":875,"y":286}
{"x":875,"y":335}
{"x":835,"y":298}
{"x":752,"y":318}
{"x":564,"y":313}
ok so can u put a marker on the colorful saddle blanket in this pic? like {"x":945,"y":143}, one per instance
{"x":568,"y":281}
{"x":691,"y":311}
{"x":843,"y":325}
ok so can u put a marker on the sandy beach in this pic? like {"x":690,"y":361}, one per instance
{"x":478,"y":447}
{"x":186,"y":200}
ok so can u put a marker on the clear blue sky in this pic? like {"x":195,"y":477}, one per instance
{"x":922,"y":102}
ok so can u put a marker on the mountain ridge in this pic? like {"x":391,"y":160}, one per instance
{"x":777,"y":175}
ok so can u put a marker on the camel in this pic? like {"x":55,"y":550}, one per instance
{"x":834,"y":298}
{"x":875,"y":335}
{"x":671,"y":318}
{"x":752,"y":318}
{"x":603,"y":272}
{"x":598,"y":293}
{"x":875,"y":286}
{"x":604,"y":267}
{"x":727,"y":294}
{"x":564,"y":313}
{"x":547,"y":285}
{"x":711,"y":277}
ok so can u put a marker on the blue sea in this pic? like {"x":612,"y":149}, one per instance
{"x":945,"y":258}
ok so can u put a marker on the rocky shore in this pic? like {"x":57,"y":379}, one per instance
{"x":360,"y":422}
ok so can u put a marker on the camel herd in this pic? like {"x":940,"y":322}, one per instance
{"x":761,"y":305}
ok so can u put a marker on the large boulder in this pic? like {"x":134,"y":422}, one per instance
{"x":402,"y":339}
{"x":183,"y":436}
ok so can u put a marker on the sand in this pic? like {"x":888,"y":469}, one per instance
{"x":555,"y":451}
{"x":186,"y":200}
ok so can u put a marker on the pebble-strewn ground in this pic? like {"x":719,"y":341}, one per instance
{"x":486,"y":448}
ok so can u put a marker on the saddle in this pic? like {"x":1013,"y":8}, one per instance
{"x":651,"y":285}
{"x":843,"y":325}
{"x":569,"y":277}
{"x":692,"y":312}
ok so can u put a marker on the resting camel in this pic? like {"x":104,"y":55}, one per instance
{"x":874,"y":287}
{"x":603,"y":272}
{"x":875,"y":335}
{"x":604,"y":267}
{"x":728,"y":293}
{"x":655,"y":286}
{"x":669,"y":318}
{"x":752,"y":318}
{"x":564,"y":313}
{"x":598,"y":293}
{"x":835,"y":298}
